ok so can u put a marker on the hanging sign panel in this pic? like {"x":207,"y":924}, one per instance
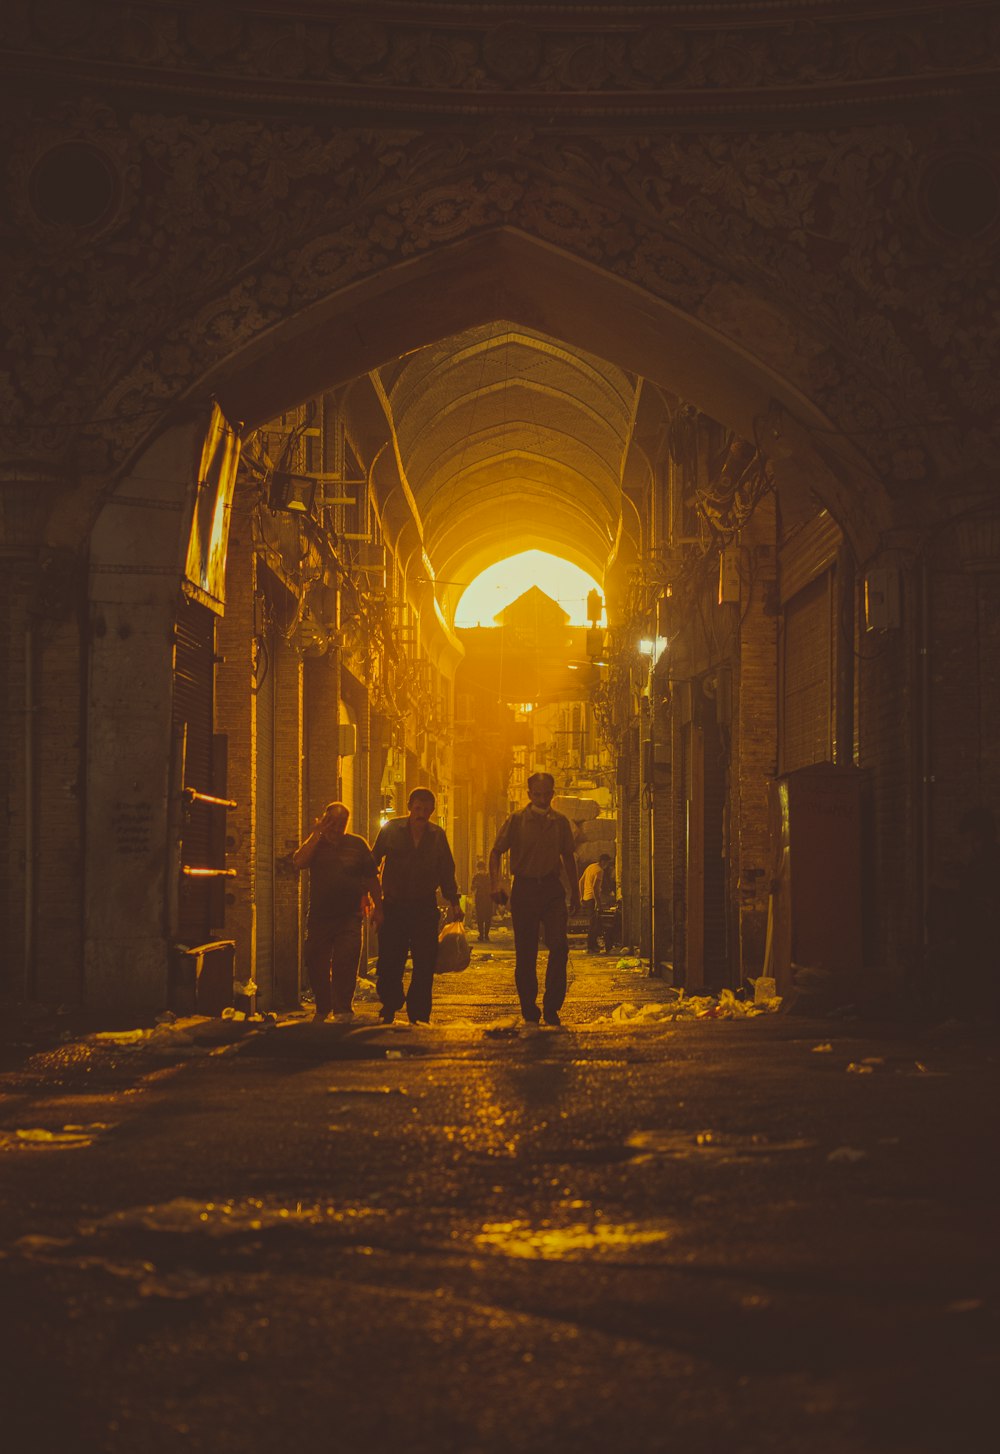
{"x":205,"y":565}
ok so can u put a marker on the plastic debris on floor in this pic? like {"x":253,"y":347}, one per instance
{"x":724,"y":1006}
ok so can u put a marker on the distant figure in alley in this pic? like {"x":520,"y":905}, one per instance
{"x":343,"y":878}
{"x":482,"y":895}
{"x":416,"y":861}
{"x":592,"y":897}
{"x":540,"y":843}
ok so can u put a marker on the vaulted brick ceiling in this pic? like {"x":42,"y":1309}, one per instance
{"x":512,"y":441}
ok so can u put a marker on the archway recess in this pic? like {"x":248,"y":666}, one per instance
{"x":544,"y":298}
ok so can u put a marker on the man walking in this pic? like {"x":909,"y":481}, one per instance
{"x":540,"y":842}
{"x":416,"y":861}
{"x":591,"y":891}
{"x":342,"y":877}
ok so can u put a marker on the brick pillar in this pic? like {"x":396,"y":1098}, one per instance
{"x":41,"y":665}
{"x":322,"y":701}
{"x":288,"y":823}
{"x":755,"y":735}
{"x":236,"y":716}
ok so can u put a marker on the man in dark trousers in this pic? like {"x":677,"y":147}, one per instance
{"x":540,"y":842}
{"x":342,"y":877}
{"x":416,"y":861}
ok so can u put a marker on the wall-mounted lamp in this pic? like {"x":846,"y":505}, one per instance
{"x":296,"y":493}
{"x":653,"y":648}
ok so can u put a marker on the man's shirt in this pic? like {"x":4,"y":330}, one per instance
{"x":590,"y":882}
{"x":338,"y":872}
{"x":414,"y":871}
{"x":537,"y":841}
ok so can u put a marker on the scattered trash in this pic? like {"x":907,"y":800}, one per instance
{"x":764,"y":989}
{"x":825,"y":1049}
{"x":692,"y":1007}
{"x":629,"y":963}
{"x":848,"y":1154}
{"x":394,"y":1055}
{"x":967,"y":1305}
{"x":854,"y":1068}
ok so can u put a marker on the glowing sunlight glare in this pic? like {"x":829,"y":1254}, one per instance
{"x":503,"y":582}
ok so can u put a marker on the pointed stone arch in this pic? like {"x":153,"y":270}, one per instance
{"x":683,"y":323}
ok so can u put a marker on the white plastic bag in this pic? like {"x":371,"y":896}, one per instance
{"x":454,"y":953}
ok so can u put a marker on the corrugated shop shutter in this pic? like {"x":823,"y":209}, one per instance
{"x":807,"y":676}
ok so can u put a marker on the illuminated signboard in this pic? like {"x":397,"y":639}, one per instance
{"x":205,"y":566}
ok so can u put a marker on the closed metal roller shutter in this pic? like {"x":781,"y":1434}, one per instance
{"x":193,"y":715}
{"x":807,"y":676}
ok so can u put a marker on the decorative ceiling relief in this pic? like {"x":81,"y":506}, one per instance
{"x":149,"y":240}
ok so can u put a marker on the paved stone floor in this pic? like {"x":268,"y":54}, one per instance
{"x":755,"y":1234}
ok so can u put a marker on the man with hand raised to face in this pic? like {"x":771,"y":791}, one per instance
{"x":342,"y":879}
{"x":540,"y":843}
{"x":416,"y":861}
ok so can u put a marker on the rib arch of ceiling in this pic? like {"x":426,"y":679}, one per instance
{"x":519,"y":473}
{"x":442,"y":455}
{"x":498,"y":403}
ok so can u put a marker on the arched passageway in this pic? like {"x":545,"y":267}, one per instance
{"x":793,"y":276}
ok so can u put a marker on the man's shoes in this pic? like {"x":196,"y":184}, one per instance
{"x":531,"y":1021}
{"x":319,"y":1017}
{"x":387,"y":1016}
{"x":551,"y":1018}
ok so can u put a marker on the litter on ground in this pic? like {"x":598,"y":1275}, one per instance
{"x":724,"y":1006}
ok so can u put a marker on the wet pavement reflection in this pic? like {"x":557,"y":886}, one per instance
{"x":639,"y":1231}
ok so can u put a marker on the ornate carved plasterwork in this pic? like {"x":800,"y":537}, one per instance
{"x":801,"y":248}
{"x":481,"y":52}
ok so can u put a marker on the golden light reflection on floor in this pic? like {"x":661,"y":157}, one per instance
{"x":576,"y":1240}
